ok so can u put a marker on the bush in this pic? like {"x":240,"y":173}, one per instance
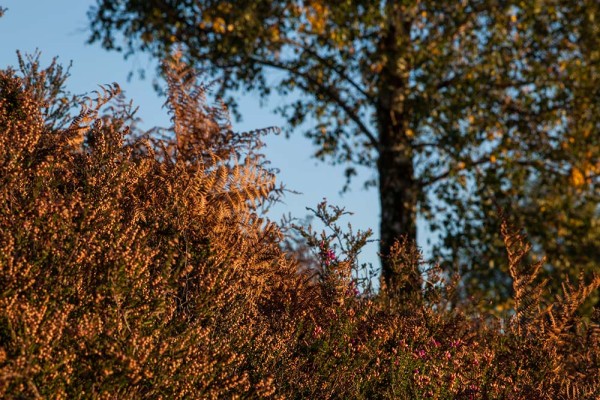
{"x":138,"y":266}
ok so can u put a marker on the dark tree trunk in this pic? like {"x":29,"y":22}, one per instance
{"x":398,"y":190}
{"x":398,"y":198}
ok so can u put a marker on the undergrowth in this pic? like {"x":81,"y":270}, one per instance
{"x":139,"y":265}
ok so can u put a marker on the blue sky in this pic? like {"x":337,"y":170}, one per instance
{"x":59,"y":28}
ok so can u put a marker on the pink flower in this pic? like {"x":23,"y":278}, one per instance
{"x":352,"y":290}
{"x":472,"y":391}
{"x":317,"y":332}
{"x":421,"y":354}
{"x":327,"y":254}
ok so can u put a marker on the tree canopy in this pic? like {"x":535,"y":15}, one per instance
{"x":462,"y":108}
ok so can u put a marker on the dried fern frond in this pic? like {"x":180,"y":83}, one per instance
{"x":563,"y":312}
{"x":198,"y":126}
{"x":87,"y":120}
{"x":102,"y":96}
{"x":527,"y":293}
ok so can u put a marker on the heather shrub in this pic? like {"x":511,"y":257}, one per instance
{"x":139,"y":265}
{"x":132,"y":266}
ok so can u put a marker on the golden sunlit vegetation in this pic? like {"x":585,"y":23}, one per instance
{"x":453,"y":109}
{"x":138,"y":265}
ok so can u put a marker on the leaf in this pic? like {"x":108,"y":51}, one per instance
{"x":577,"y":177}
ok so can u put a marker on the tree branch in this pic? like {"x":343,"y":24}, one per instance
{"x":332,"y":67}
{"x":327,"y":91}
{"x":446,"y":174}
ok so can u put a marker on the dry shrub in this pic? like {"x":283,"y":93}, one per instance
{"x":138,"y":266}
{"x":133,"y":266}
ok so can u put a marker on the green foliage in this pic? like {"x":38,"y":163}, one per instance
{"x":463,"y":108}
{"x":137,"y":266}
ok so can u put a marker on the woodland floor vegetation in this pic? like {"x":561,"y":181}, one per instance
{"x":139,"y":265}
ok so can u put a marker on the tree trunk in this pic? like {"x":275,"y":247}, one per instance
{"x":398,"y":190}
{"x":398,"y":198}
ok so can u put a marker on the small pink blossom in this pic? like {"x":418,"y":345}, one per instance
{"x":327,"y":254}
{"x":421,"y":354}
{"x":352,"y":290}
{"x":472,"y":391}
{"x":317,"y":332}
{"x":329,"y":257}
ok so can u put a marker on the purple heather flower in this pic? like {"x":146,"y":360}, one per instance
{"x":329,"y":256}
{"x":317,"y":331}
{"x":421,"y":354}
{"x":352,"y":290}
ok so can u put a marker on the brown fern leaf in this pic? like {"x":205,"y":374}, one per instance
{"x":527,"y":294}
{"x":563,"y":313}
{"x":87,"y":120}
